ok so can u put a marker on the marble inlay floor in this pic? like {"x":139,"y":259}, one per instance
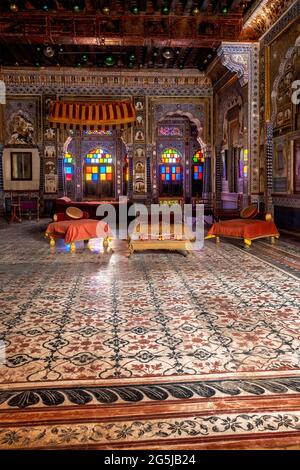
{"x":85,"y":328}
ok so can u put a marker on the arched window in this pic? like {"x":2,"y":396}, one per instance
{"x":197,"y":173}
{"x":171,"y":173}
{"x":98,"y":174}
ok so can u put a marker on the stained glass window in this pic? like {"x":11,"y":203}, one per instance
{"x":170,"y":173}
{"x":198,"y":172}
{"x":171,"y":156}
{"x":68,"y":166}
{"x":98,"y":156}
{"x":198,"y":157}
{"x":98,"y":166}
{"x":98,"y":173}
{"x":198,"y":160}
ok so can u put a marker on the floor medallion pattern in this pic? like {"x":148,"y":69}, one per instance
{"x":79,"y":331}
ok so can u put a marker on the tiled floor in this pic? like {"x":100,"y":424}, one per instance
{"x":85,"y":329}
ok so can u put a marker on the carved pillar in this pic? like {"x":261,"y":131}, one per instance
{"x":130,"y":170}
{"x":207,"y":173}
{"x":269,"y":167}
{"x":219,"y":174}
{"x":118,"y":166}
{"x":243,"y":59}
{"x":149,"y":160}
{"x":78,"y":169}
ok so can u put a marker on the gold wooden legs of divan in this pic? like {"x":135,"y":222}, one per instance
{"x":52,"y":242}
{"x":247,"y":242}
{"x":209,"y":237}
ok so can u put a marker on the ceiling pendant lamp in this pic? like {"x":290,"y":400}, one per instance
{"x":168,"y":53}
{"x":109,"y":60}
{"x":165,"y":9}
{"x":13,"y":7}
{"x":106,"y":10}
{"x":195,"y":11}
{"x":49,"y":51}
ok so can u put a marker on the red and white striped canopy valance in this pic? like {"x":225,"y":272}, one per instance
{"x":94,"y":116}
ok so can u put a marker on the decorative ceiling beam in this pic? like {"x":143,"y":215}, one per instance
{"x":87,"y":29}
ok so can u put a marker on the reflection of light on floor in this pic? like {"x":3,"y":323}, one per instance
{"x":94,"y":246}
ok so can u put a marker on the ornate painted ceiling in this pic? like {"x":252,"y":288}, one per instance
{"x":121,"y":34}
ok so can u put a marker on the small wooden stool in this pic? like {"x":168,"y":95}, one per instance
{"x":15,"y":207}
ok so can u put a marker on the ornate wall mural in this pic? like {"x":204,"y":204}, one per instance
{"x":22,"y":122}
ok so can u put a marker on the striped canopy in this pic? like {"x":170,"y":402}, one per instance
{"x":93,"y":116}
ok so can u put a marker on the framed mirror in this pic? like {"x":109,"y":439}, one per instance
{"x":21,"y":166}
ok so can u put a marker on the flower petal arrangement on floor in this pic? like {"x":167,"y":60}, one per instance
{"x":131,"y":352}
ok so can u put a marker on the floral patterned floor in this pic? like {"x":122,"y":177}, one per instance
{"x":102,"y":350}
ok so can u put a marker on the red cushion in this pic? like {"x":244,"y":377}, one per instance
{"x":249,"y":212}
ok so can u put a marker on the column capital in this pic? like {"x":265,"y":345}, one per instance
{"x":237,"y":58}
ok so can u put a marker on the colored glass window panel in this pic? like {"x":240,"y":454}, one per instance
{"x":97,"y":156}
{"x":171,"y":156}
{"x":103,"y":177}
{"x":94,"y":169}
{"x":95,"y":177}
{"x":170,"y":173}
{"x":88,"y":177}
{"x":109,"y":176}
{"x":198,"y":157}
{"x":69,"y":177}
{"x":68,"y":170}
{"x":108,"y":169}
{"x":88,"y":169}
{"x":102,"y":169}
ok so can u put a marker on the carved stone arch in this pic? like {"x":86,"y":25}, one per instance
{"x":281,"y":71}
{"x":192,"y":119}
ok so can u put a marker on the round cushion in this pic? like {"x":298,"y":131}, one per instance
{"x":74,"y":213}
{"x":249,"y":212}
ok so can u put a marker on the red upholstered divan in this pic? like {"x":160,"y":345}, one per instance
{"x":246,"y":229}
{"x":61,"y":205}
{"x":77,"y":230}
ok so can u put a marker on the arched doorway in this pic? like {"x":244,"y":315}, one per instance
{"x":179,"y":170}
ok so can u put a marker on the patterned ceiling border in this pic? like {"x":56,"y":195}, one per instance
{"x":263,"y":16}
{"x":68,"y":81}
